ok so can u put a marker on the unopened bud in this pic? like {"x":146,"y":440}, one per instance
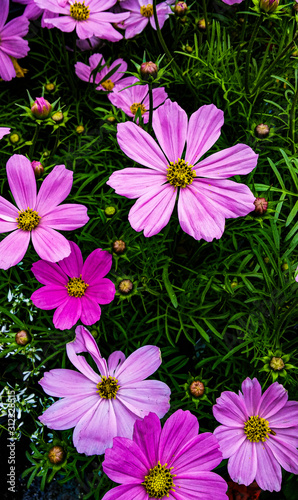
{"x":22,"y":337}
{"x":119,"y":247}
{"x":125,"y":286}
{"x":110,"y":211}
{"x":14,"y":138}
{"x":197,"y":388}
{"x":277,"y":364}
{"x":285,"y":267}
{"x":38,"y":168}
{"x":262,"y":131}
{"x":56,"y":455}
{"x":50,"y":87}
{"x":58,"y":117}
{"x":188,"y":48}
{"x":111,"y":119}
{"x":180,"y":9}
{"x":41,"y":108}
{"x":80,"y":129}
{"x":269,"y":6}
{"x":94,"y":333}
{"x":148,"y":69}
{"x":261,"y":205}
{"x":201,"y":24}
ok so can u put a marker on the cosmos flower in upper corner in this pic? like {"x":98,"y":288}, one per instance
{"x":88,"y":17}
{"x":103,"y":405}
{"x":259,"y":433}
{"x":11,"y":41}
{"x":137,"y":97}
{"x":83,"y":71}
{"x":172,"y":463}
{"x":206,"y":197}
{"x":37,"y":217}
{"x":4,"y":131}
{"x":141,"y":12}
{"x":74,"y":288}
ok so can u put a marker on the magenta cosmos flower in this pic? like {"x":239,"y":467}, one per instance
{"x":4,"y":131}
{"x":11,"y":41}
{"x":132,"y":98}
{"x":88,"y":17}
{"x":259,"y":433}
{"x":73,"y":287}
{"x":141,"y":12}
{"x":83,"y":71}
{"x":103,"y":405}
{"x":206,"y":197}
{"x":171,"y":463}
{"x":37,"y":217}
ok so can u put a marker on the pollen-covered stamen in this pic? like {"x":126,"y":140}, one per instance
{"x":108,"y":387}
{"x":159,"y":481}
{"x":180,"y":174}
{"x":257,"y":429}
{"x":79,"y":11}
{"x":28,"y":219}
{"x":108,"y":84}
{"x":137,"y":105}
{"x":76,"y":287}
{"x":147,"y":11}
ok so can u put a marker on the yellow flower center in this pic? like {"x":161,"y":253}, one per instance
{"x":76,"y":287}
{"x":257,"y":429}
{"x":147,"y":11}
{"x":108,"y":84}
{"x":180,"y":174}
{"x":137,"y":105}
{"x":108,"y":387}
{"x":159,"y":481}
{"x":79,"y":11}
{"x":28,"y":219}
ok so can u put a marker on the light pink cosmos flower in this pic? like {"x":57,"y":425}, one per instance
{"x":231,"y":2}
{"x":4,"y":131}
{"x":172,"y":463}
{"x":33,"y":12}
{"x":11,"y":41}
{"x":141,"y":12}
{"x":88,"y":17}
{"x":259,"y":433}
{"x":83,"y":71}
{"x":103,"y":405}
{"x":75,"y":289}
{"x":206,"y":197}
{"x":37,"y":217}
{"x":132,"y":98}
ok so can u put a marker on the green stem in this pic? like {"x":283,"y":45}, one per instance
{"x":292,"y":123}
{"x":56,"y":143}
{"x":249,"y":51}
{"x":35,"y":137}
{"x":150,"y":108}
{"x":206,"y":19}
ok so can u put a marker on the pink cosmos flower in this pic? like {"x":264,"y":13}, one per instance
{"x":74,"y":288}
{"x":37,"y":217}
{"x":206,"y":197}
{"x":33,"y":12}
{"x":4,"y":131}
{"x":88,"y":17}
{"x":171,"y":463}
{"x":259,"y":433}
{"x":141,"y":13}
{"x":83,"y":71}
{"x":296,"y":278}
{"x":11,"y":41}
{"x":103,"y":405}
{"x":231,"y":2}
{"x":132,"y":98}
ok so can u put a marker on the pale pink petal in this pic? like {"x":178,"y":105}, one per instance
{"x":96,"y":266}
{"x":125,"y":419}
{"x":64,"y":23}
{"x":90,"y":311}
{"x":230,"y":439}
{"x":115,"y":360}
{"x":230,"y":410}
{"x":239,"y":159}
{"x":130,"y":137}
{"x":203,"y":131}
{"x":152,"y":211}
{"x":6,"y":227}
{"x":268,"y":473}
{"x":125,"y":491}
{"x":21,"y":181}
{"x":285,"y":454}
{"x":146,"y":435}
{"x":163,"y":10}
{"x":7,"y":71}
{"x":8,"y":211}
{"x":145,"y":396}
{"x":286,"y":416}
{"x":62,"y":382}
{"x":73,"y":264}
{"x":180,"y":427}
{"x":15,"y":47}
{"x":67,"y":412}
{"x":4,"y":131}
{"x":66,"y":217}
{"x":104,"y":30}
{"x":242,"y":466}
{"x":49,"y":273}
{"x":273,"y":400}
{"x":170,"y":127}
{"x":68,"y":313}
{"x":139,"y":365}
{"x":199,"y":485}
{"x":17,"y":27}
{"x":125,"y":462}
{"x":13,"y":248}
{"x":252,"y":393}
{"x":134,"y":25}
{"x":48,"y":297}
{"x":102,"y":292}
{"x":54,"y":189}
{"x":84,"y":29}
{"x":49,"y":244}
{"x":134,"y":182}
{"x":58,"y":7}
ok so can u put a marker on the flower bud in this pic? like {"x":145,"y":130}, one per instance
{"x":56,"y":455}
{"x":94,"y":333}
{"x":50,"y":87}
{"x":38,"y":168}
{"x":111,"y":119}
{"x":261,"y":206}
{"x":197,"y":388}
{"x":148,"y":69}
{"x":110,"y":211}
{"x":41,"y":108}
{"x":22,"y":338}
{"x":277,"y":363}
{"x":180,"y":9}
{"x":119,"y":247}
{"x":58,"y":117}
{"x":14,"y":138}
{"x":201,"y":24}
{"x":262,"y":131}
{"x":285,"y":267}
{"x":80,"y":129}
{"x":269,"y":6}
{"x":125,"y":286}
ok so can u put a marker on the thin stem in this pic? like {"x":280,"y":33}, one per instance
{"x":206,"y":19}
{"x":35,"y":137}
{"x":150,"y":107}
{"x":249,"y":51}
{"x":292,"y":123}
{"x":56,"y":143}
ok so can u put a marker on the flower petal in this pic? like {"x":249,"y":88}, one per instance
{"x":230,"y":410}
{"x":286,"y":416}
{"x":115,"y":360}
{"x":125,"y":462}
{"x":252,"y":393}
{"x":125,"y":491}
{"x":73,"y":264}
{"x":13,"y":248}
{"x":272,"y":401}
{"x":145,"y":396}
{"x":198,"y":485}
{"x":54,"y":189}
{"x":134,"y":182}
{"x":96,"y":266}
{"x":180,"y":428}
{"x":49,"y":273}
{"x":170,"y":127}
{"x":146,"y":435}
{"x":242,"y":466}
{"x":4,"y":12}
{"x":49,"y":297}
{"x":239,"y":159}
{"x":230,"y":439}
{"x":139,"y":365}
{"x":49,"y":244}
{"x":7,"y":71}
{"x":21,"y":181}
{"x":67,"y":412}
{"x":62,"y":382}
{"x":285,"y":454}
{"x":8,"y":211}
{"x":200,"y":453}
{"x":68,"y":313}
{"x":102,"y":292}
{"x":66,"y":217}
{"x":90,"y":311}
{"x":268,"y":474}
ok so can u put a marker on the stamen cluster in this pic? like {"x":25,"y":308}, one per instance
{"x":76,"y":287}
{"x":147,"y":11}
{"x":79,"y":11}
{"x":28,"y":219}
{"x":180,"y":174}
{"x":257,"y":429}
{"x":137,"y":105}
{"x":159,"y":481}
{"x":108,"y":84}
{"x":108,"y":387}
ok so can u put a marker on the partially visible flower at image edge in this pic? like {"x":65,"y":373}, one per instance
{"x":75,"y":289}
{"x":170,"y":463}
{"x":4,"y":131}
{"x":259,"y":434}
{"x":296,"y":277}
{"x":103,"y":405}
{"x":33,"y":12}
{"x":37,"y":217}
{"x":206,"y":197}
{"x":141,"y":13}
{"x":83,"y":71}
